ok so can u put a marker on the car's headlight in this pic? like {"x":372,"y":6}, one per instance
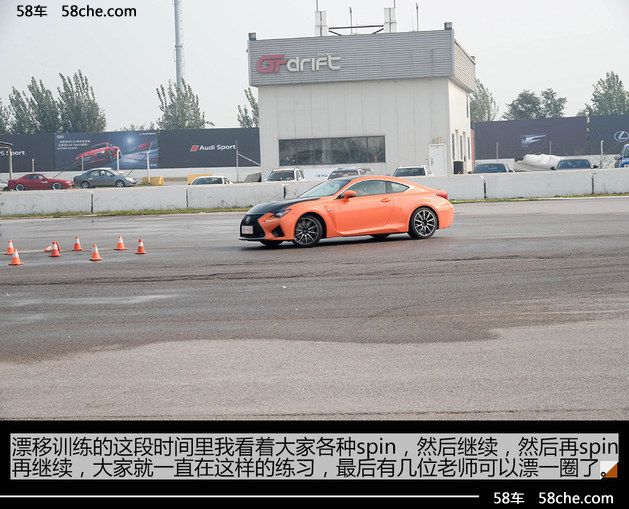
{"x":281,"y":213}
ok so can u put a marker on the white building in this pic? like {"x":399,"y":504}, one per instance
{"x":377,"y":100}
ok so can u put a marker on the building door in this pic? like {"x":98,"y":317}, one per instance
{"x":437,"y":157}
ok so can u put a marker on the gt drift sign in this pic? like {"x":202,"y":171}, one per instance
{"x":268,"y":64}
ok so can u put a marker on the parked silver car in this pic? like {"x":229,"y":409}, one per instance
{"x":103,"y":177}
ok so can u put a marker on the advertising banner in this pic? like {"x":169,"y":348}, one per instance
{"x":28,"y":152}
{"x":516,"y":138}
{"x":126,"y":150}
{"x":612,"y":130}
{"x":209,"y":148}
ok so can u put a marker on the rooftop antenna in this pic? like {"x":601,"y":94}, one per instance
{"x":417,"y":12}
{"x":351,"y":23}
{"x":178,"y":41}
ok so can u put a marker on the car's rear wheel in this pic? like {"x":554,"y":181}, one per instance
{"x":423,"y":223}
{"x":85,"y":185}
{"x":308,"y":231}
{"x":271,"y":243}
{"x":119,"y":183}
{"x":56,"y":186}
{"x":19,"y":187}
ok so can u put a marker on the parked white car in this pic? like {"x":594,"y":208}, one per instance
{"x":214,"y":179}
{"x":285,"y":175}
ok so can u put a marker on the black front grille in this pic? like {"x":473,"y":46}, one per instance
{"x":252,"y":220}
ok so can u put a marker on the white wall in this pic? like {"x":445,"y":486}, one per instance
{"x":409,"y":113}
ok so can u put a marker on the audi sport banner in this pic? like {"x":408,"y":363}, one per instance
{"x":209,"y":148}
{"x":124,"y":150}
{"x":612,"y":130}
{"x":516,"y":138}
{"x":28,"y":152}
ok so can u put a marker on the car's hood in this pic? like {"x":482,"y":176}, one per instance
{"x":276,"y":206}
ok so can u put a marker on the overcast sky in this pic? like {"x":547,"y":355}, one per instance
{"x":566,"y":45}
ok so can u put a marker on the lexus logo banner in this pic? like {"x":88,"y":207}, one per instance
{"x":612,"y":130}
{"x":209,"y":148}
{"x":516,"y":138}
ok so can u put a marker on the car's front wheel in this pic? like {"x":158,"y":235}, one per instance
{"x":423,"y":223}
{"x":308,"y":231}
{"x":85,"y":185}
{"x":119,"y":183}
{"x":56,"y":186}
{"x":19,"y":187}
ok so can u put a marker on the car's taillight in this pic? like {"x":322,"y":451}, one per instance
{"x":442,"y":193}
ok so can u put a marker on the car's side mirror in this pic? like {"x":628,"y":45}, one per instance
{"x":348,"y":194}
{"x":553,"y":168}
{"x":595,"y":166}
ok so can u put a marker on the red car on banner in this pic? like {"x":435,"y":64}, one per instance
{"x":97,"y":154}
{"x":38,"y":181}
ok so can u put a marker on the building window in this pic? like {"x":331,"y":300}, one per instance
{"x":351,"y":150}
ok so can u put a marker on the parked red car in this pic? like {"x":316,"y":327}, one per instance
{"x":97,"y":154}
{"x":32,"y":181}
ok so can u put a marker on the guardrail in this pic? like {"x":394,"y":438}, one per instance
{"x":543,"y":184}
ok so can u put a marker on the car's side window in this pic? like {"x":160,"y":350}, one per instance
{"x":369,"y":187}
{"x":396,"y":187}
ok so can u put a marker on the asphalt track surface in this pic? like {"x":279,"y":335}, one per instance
{"x":520,"y":310}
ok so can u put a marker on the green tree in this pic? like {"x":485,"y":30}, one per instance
{"x":78,"y":110}
{"x":23,"y":121}
{"x":526,"y":105}
{"x":483,"y":108}
{"x":246,"y":119}
{"x":551,"y":105}
{"x":5,"y":119}
{"x":180,"y":108}
{"x":609,"y":97}
{"x":34,"y":113}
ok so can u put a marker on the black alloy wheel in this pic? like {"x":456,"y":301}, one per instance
{"x":308,"y":231}
{"x":423,"y":224}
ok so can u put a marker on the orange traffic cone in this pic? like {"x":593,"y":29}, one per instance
{"x":16,"y":258}
{"x":95,"y":255}
{"x":48,"y":249}
{"x":77,"y":245}
{"x":55,"y":250}
{"x":10,"y":249}
{"x":140,"y":248}
{"x":120,"y":246}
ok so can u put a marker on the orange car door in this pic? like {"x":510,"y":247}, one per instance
{"x":370,"y":209}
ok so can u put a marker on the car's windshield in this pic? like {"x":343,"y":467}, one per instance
{"x":327,"y":188}
{"x":573,"y":164}
{"x":408,"y":172}
{"x":343,"y":173}
{"x":490,"y":168}
{"x":281,"y":175}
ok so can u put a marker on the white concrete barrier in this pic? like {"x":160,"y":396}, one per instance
{"x":139,"y":198}
{"x":458,"y":187}
{"x":542,"y":184}
{"x":538,"y":184}
{"x":233,"y":195}
{"x":614,"y":181}
{"x":18,"y":203}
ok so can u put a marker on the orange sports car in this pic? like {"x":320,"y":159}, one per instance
{"x":372,"y":205}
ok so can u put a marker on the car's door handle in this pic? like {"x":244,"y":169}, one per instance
{"x":384,"y":200}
